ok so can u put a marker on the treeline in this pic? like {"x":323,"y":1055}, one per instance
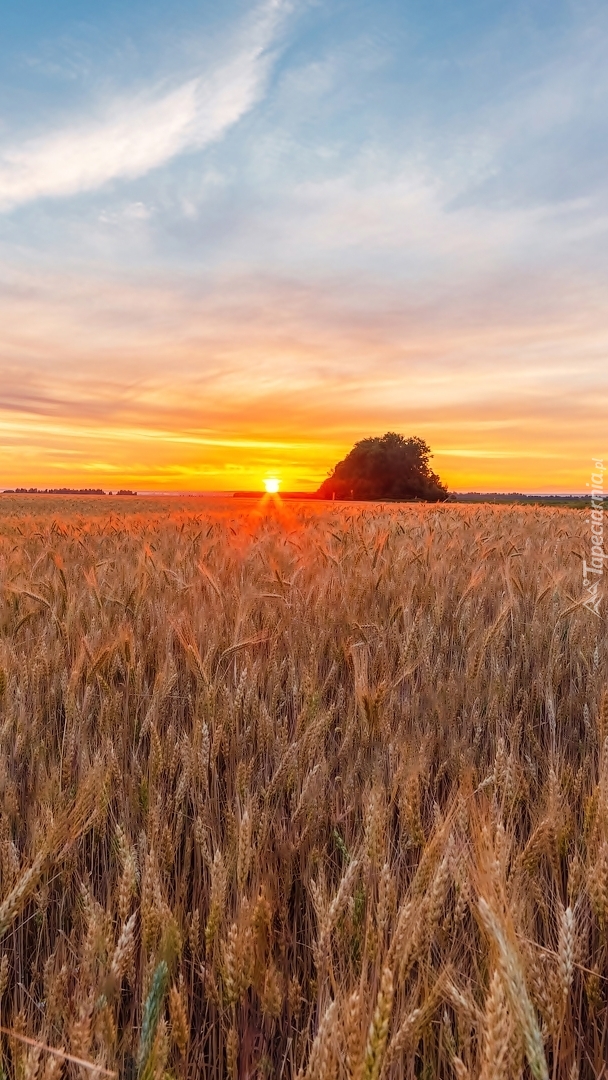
{"x":64,"y":491}
{"x":516,"y":497}
{"x":53,"y":491}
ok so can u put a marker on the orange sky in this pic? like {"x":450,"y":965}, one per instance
{"x":154,"y":386}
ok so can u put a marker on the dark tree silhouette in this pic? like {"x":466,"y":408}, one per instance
{"x":387,"y":467}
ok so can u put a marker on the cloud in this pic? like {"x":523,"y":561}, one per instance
{"x":135,"y":135}
{"x":159,"y":382}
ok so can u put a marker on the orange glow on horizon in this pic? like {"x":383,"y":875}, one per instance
{"x":40,"y":452}
{"x":153,"y":421}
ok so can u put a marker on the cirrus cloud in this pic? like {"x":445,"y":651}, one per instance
{"x":136,"y":134}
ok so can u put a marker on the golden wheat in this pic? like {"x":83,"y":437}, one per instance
{"x":300,"y":789}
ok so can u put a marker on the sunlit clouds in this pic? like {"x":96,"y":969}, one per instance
{"x":198,"y":393}
{"x":244,"y":240}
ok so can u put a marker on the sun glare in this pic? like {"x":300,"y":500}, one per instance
{"x":272,"y":485}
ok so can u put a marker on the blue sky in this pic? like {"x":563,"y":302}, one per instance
{"x":234,"y":238}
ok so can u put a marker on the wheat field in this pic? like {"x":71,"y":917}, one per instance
{"x":300,"y":790}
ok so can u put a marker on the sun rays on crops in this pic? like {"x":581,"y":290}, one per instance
{"x":300,"y":790}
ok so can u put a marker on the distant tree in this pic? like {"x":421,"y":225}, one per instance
{"x":386,"y":467}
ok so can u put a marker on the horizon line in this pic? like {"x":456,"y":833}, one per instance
{"x":230,"y":492}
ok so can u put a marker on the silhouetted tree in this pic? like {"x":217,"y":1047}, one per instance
{"x":387,"y":467}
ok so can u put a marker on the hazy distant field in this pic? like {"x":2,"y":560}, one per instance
{"x":319,"y":790}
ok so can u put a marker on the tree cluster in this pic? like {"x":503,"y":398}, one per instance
{"x":386,"y":467}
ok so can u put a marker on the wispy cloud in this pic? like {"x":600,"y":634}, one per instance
{"x":189,"y":391}
{"x":134,"y":135}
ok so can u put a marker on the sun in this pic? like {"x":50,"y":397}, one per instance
{"x":272,"y":485}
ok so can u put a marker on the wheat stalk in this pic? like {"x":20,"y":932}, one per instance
{"x":515,"y":988}
{"x":378,"y":1029}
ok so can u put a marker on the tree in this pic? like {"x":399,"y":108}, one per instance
{"x":387,"y":467}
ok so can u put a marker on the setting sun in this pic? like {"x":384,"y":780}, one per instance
{"x":272,"y":485}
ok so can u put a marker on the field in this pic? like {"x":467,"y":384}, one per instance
{"x":300,"y":790}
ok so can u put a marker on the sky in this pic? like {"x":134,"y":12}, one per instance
{"x":236,"y":238}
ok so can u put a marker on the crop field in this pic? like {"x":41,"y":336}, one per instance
{"x":300,"y":790}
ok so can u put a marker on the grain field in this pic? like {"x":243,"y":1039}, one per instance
{"x":300,"y":790}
